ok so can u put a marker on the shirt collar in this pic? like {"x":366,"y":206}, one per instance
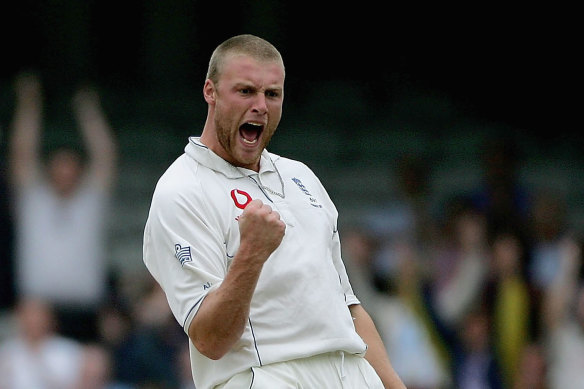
{"x":206,"y":157}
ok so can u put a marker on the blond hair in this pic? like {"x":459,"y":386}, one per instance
{"x":245,"y":44}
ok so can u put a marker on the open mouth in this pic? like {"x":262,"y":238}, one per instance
{"x":250,"y":132}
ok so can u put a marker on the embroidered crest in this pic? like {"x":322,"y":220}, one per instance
{"x":313,"y":201}
{"x":183,"y":254}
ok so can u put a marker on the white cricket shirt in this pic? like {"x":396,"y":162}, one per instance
{"x":299,"y":307}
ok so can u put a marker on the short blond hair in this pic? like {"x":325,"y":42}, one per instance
{"x":246,"y":44}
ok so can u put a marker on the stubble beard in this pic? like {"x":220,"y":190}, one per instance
{"x":227,"y":133}
{"x":229,"y":143}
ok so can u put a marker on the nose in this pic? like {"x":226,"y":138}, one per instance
{"x":259,"y":104}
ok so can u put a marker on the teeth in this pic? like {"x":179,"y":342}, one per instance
{"x":250,"y":142}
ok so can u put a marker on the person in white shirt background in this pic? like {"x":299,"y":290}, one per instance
{"x":60,"y":206}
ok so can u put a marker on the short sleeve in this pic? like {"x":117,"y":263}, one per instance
{"x":183,"y":252}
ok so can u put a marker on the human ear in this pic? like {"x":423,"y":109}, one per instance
{"x":209,"y":91}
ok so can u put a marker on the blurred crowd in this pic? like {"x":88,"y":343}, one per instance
{"x":66,"y":319}
{"x":485,"y":293}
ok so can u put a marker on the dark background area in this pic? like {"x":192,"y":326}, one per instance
{"x":507,"y":63}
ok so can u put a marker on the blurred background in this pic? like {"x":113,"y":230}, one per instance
{"x":447,"y":137}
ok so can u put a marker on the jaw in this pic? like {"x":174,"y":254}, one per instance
{"x":241,"y":146}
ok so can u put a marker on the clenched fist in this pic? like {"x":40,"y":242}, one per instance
{"x":261,"y":231}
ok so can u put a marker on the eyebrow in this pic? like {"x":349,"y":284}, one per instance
{"x":251,"y":85}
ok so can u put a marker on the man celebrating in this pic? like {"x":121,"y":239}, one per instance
{"x":245,"y":245}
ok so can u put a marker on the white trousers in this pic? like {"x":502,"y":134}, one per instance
{"x":336,"y":370}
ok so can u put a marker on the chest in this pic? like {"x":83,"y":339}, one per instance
{"x":299,"y":199}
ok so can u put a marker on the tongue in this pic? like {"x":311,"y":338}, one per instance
{"x":249,"y":134}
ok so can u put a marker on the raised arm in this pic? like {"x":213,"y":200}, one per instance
{"x":97,"y":135}
{"x":24,"y":151}
{"x":224,"y":312}
{"x":376,"y":354}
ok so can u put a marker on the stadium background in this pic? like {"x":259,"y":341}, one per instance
{"x":366,"y":85}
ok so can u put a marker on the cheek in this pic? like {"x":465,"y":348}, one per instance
{"x":275,"y":114}
{"x":270,"y":129}
{"x":225,"y":121}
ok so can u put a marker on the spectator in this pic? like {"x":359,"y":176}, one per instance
{"x":156,"y":333}
{"x":136,"y":336}
{"x":532,"y":370}
{"x":404,"y":215}
{"x":407,"y":329}
{"x":476,"y":364}
{"x":508,"y":293}
{"x":37,"y":356}
{"x":97,"y":369}
{"x":460,"y":264}
{"x":548,"y":228}
{"x":358,"y":249}
{"x":115,"y":329}
{"x":563,"y":316}
{"x":60,"y":209}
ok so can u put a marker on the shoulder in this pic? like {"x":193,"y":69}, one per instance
{"x":303,"y":177}
{"x":180,"y":177}
{"x":179,"y":173}
{"x":187,"y":185}
{"x":291,"y":166}
{"x":178,"y":183}
{"x":297,"y":171}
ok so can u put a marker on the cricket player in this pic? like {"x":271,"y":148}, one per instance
{"x":245,"y":245}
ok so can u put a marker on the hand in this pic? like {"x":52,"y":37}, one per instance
{"x":28,"y":87}
{"x":86,"y":103}
{"x":261,"y":231}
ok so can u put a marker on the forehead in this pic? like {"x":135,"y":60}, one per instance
{"x":243,"y":68}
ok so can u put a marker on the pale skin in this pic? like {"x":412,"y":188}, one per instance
{"x":252,"y":91}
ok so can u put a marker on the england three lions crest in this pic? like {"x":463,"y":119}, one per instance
{"x":313,"y":201}
{"x":183,"y":254}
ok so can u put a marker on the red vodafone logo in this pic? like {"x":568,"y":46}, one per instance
{"x":238,"y":195}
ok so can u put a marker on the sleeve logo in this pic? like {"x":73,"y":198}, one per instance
{"x":183,"y":254}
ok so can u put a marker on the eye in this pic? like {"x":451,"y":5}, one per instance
{"x":272,"y":93}
{"x":245,"y":91}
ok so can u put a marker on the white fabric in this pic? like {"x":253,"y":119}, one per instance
{"x":566,"y":356}
{"x":330,"y":370}
{"x":55,"y":364}
{"x":299,"y":308}
{"x":60,"y":248}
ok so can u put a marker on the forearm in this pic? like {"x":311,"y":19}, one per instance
{"x":95,"y":128}
{"x":376,"y":354}
{"x":26,"y":127}
{"x":97,"y":133}
{"x":224,"y":312}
